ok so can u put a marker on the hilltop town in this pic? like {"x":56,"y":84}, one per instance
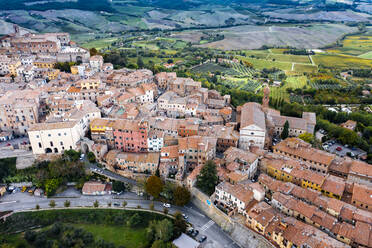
{"x":138,"y":124}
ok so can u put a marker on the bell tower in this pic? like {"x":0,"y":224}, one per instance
{"x":16,"y":29}
{"x":266,"y":97}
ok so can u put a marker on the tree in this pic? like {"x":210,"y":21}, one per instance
{"x":93,"y":51}
{"x":159,"y":244}
{"x":71,"y":155}
{"x":118,"y":186}
{"x":67,"y":203}
{"x":154,"y":186}
{"x":285,"y":131}
{"x":207,"y":179}
{"x":165,"y":210}
{"x":52,"y":204}
{"x":181,"y":196}
{"x":140,"y":63}
{"x":168,"y":190}
{"x":135,"y":220}
{"x":307,"y":137}
{"x":164,"y":230}
{"x":37,"y":207}
{"x":109,"y":204}
{"x":30,"y":236}
{"x":96,"y":204}
{"x":179,"y":224}
{"x":91,"y":157}
{"x":64,"y":66}
{"x":124,"y":204}
{"x":152,"y":207}
{"x":51,"y":185}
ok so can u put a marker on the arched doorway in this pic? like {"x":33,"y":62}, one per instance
{"x":55,"y":150}
{"x":79,"y":59}
{"x":85,"y":148}
{"x":48,"y":150}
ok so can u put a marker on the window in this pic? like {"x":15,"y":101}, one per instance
{"x":40,"y":145}
{"x":51,"y":143}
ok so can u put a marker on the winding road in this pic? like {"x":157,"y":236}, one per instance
{"x":217,"y":238}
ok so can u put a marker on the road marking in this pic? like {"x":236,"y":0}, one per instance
{"x":196,"y":212}
{"x":207,"y":225}
{"x":8,"y":202}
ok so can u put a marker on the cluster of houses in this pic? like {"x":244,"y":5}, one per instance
{"x":303,"y":197}
{"x":25,"y":57}
{"x":139,"y":124}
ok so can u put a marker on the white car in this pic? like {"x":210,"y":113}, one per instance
{"x":166,"y":205}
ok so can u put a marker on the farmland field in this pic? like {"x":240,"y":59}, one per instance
{"x":263,"y":63}
{"x":355,"y":45}
{"x":242,"y":83}
{"x":242,"y":70}
{"x":290,"y":58}
{"x":305,"y":68}
{"x":280,"y":93}
{"x":341,"y":61}
{"x":367,"y":55}
{"x":254,"y":37}
{"x":325,"y":86}
{"x":212,"y":67}
{"x":99,"y":44}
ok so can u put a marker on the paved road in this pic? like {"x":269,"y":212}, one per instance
{"x":216,"y":237}
{"x":104,"y":172}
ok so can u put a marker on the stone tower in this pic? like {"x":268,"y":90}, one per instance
{"x":16,"y":29}
{"x":266,"y":97}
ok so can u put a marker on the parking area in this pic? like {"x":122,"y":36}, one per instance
{"x":342,"y":150}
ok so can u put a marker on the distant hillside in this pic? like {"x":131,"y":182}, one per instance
{"x":93,"y":5}
{"x":87,"y":19}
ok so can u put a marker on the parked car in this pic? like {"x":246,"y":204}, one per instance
{"x":185,"y":216}
{"x":166,"y":205}
{"x":116,"y":204}
{"x":194,"y":233}
{"x":82,"y":156}
{"x":31,"y":190}
{"x":202,"y":239}
{"x":339,"y":148}
{"x":189,"y":230}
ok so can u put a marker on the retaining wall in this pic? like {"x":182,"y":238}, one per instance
{"x":242,"y":235}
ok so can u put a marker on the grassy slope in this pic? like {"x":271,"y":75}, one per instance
{"x":291,"y":82}
{"x":119,"y":235}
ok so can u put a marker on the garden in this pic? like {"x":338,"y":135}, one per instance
{"x":90,"y":228}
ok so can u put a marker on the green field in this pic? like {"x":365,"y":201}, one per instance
{"x":263,"y":63}
{"x":367,"y":55}
{"x":119,"y":235}
{"x":212,"y":68}
{"x":305,"y":68}
{"x":280,"y":93}
{"x":341,"y":61}
{"x":146,"y":45}
{"x":290,"y":58}
{"x":99,"y":44}
{"x":110,"y":225}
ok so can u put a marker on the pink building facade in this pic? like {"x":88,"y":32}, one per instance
{"x":130,"y":136}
